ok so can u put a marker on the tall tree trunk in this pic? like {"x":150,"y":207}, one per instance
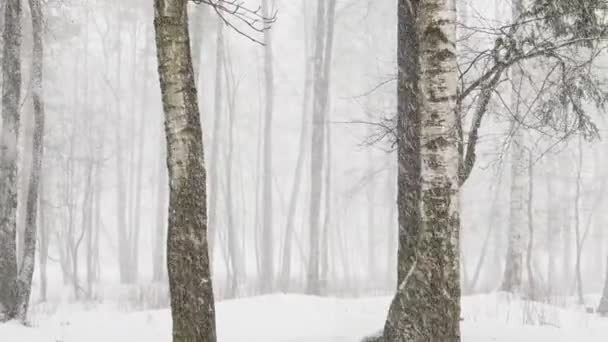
{"x":26,"y":270}
{"x":426,"y":306}
{"x":9,"y":137}
{"x":317,"y":148}
{"x":371,"y":250}
{"x":90,"y":234}
{"x":137,"y":212}
{"x":121,"y":202}
{"x":217,"y":124}
{"x":321,"y":70}
{"x":231,"y":229}
{"x":267,"y":260}
{"x":192,"y":303}
{"x":327,"y":58}
{"x":512,"y":279}
{"x":285,"y":274}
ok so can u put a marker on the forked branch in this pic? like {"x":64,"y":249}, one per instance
{"x":246,"y":21}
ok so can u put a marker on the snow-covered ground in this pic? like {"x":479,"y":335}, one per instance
{"x":300,"y":318}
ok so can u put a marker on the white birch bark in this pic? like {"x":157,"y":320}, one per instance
{"x":192,"y":302}
{"x":426,"y":306}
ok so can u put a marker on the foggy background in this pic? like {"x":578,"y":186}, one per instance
{"x":104,"y":168}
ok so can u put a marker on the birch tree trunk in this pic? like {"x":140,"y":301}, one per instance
{"x":426,"y":306}
{"x":26,"y":270}
{"x":192,"y":303}
{"x":512,"y":279}
{"x":9,"y":137}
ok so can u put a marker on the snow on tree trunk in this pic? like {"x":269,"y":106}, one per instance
{"x":192,"y":303}
{"x":426,"y":306}
{"x":11,"y":95}
{"x":408,"y":130}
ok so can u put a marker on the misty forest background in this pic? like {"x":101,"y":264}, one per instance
{"x":278,"y":200}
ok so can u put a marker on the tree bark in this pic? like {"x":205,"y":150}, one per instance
{"x":9,"y":137}
{"x":26,"y":270}
{"x":192,"y":302}
{"x":426,"y":306}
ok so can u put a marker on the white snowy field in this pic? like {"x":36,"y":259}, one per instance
{"x":300,"y":318}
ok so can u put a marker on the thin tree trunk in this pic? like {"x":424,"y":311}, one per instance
{"x":43,"y":240}
{"x":121,"y":202}
{"x":577,"y":199}
{"x":267,"y":260}
{"x":512,"y":279}
{"x":317,"y":148}
{"x":552,"y":225}
{"x":26,"y":270}
{"x":529,"y":256}
{"x":217,"y":124}
{"x":231,"y":230}
{"x":192,"y":303}
{"x":297,"y":178}
{"x":139,"y":171}
{"x":371,"y":250}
